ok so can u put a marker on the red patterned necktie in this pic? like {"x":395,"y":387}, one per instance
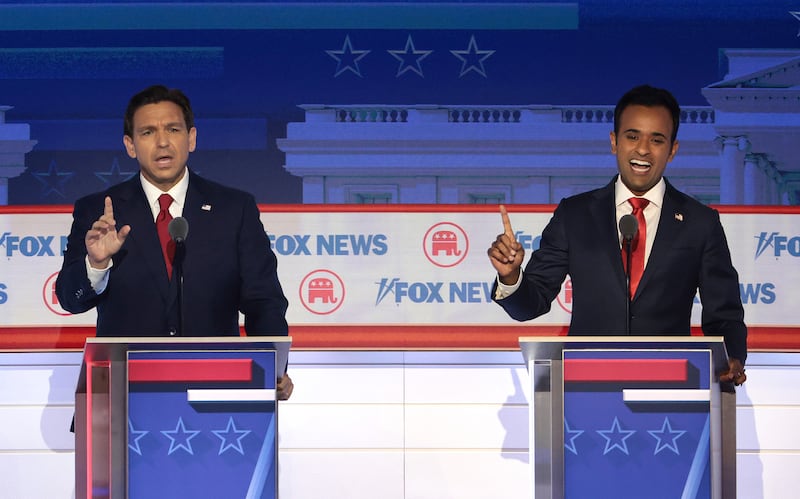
{"x":638,"y":243}
{"x":162,"y":224}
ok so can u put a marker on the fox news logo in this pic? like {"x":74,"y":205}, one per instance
{"x":775,"y":244}
{"x":433,"y":291}
{"x":527,"y":241}
{"x":330,"y":244}
{"x":13,"y":245}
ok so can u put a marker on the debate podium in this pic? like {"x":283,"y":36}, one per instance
{"x":630,"y":417}
{"x":178,"y":417}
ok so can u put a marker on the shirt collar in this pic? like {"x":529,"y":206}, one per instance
{"x":654,"y":195}
{"x":178,"y":191}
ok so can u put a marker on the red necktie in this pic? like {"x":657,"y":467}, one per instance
{"x":162,"y":224}
{"x":637,"y":244}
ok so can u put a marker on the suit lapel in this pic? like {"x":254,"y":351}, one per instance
{"x":604,"y":217}
{"x":197,"y":212}
{"x":197,"y":207}
{"x":669,"y":225}
{"x":131,"y":208}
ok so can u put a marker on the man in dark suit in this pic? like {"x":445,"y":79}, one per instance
{"x":115,"y":261}
{"x":685,"y":249}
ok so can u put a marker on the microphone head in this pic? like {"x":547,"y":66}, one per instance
{"x":628,"y":226}
{"x":178,"y":229}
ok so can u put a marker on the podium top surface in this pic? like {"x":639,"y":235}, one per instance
{"x":99,"y":345}
{"x":116,"y":349}
{"x":99,"y":349}
{"x":550,"y":347}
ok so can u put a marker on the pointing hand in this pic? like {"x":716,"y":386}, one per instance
{"x":103,"y":240}
{"x":506,"y":253}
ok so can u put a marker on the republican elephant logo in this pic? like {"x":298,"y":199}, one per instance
{"x":445,"y":241}
{"x":322,"y":292}
{"x":445,"y":244}
{"x":321,"y":288}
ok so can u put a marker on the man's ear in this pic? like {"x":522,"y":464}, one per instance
{"x":192,"y":139}
{"x":129,"y":148}
{"x":674,"y":150}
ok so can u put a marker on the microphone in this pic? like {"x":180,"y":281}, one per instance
{"x":628,"y":227}
{"x":178,"y":229}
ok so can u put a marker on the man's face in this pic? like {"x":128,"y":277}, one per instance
{"x":643,"y":146}
{"x":161,"y":143}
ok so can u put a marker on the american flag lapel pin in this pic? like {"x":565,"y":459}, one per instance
{"x":206,"y":207}
{"x":679,"y":217}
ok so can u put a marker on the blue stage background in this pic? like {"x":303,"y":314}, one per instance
{"x":69,"y":67}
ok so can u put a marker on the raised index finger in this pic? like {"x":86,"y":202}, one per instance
{"x":108,"y":209}
{"x":506,"y":222}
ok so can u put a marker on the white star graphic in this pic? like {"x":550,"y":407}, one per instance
{"x":615,"y":434}
{"x":231,"y":438}
{"x":472,"y":58}
{"x":410,"y":58}
{"x":134,"y":436}
{"x":182,"y":438}
{"x":666,"y":437}
{"x":347,"y":58}
{"x":796,"y":15}
{"x":570,"y":435}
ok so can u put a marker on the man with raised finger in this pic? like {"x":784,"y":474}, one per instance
{"x":680,"y":243}
{"x":119,"y":258}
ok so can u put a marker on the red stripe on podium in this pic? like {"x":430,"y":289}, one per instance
{"x":618,"y":370}
{"x":189,"y":370}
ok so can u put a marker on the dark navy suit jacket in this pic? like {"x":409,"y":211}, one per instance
{"x":690,"y":253}
{"x":229,"y":267}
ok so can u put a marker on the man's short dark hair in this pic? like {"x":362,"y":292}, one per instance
{"x":645,"y":95}
{"x":154,"y":95}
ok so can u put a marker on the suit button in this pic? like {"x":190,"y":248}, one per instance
{"x":173,"y":331}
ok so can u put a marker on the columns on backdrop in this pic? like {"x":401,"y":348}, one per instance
{"x":745,"y":177}
{"x":731,"y":173}
{"x":15,"y":142}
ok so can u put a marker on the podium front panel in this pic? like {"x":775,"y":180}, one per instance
{"x":637,"y":423}
{"x":202,"y":424}
{"x":611,"y":416}
{"x":178,"y":417}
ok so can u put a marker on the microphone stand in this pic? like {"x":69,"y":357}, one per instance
{"x":627,"y":243}
{"x":178,"y":229}
{"x":177,"y":269}
{"x":628,"y":227}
